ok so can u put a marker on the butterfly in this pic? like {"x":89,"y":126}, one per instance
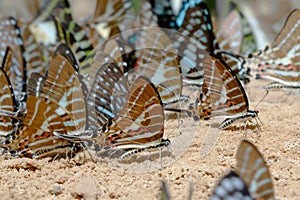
{"x":128,"y":38}
{"x":223,"y":94}
{"x":158,"y":62}
{"x":280,"y":62}
{"x":55,"y":103}
{"x":33,"y":52}
{"x":252,"y":168}
{"x":250,"y":180}
{"x":138,"y":126}
{"x":230,"y":34}
{"x":245,"y":42}
{"x":10,"y":110}
{"x":111,"y":13}
{"x":11,"y":37}
{"x":108,"y":92}
{"x":77,"y":39}
{"x":198,"y":35}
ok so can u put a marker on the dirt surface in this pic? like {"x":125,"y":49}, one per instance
{"x":80,"y":177}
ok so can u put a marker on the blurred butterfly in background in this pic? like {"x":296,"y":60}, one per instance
{"x":250,"y":180}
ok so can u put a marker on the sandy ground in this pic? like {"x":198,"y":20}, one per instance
{"x":81,"y":178}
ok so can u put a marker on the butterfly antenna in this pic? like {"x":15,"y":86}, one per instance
{"x":267,"y":92}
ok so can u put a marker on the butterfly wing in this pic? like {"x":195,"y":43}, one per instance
{"x":158,"y":63}
{"x":194,"y":39}
{"x":33,"y":52}
{"x":281,"y":61}
{"x":231,"y":186}
{"x":108,"y":93}
{"x":223,"y":93}
{"x":164,"y":12}
{"x":62,"y":86}
{"x":8,"y":105}
{"x":140,"y":123}
{"x":230,"y":36}
{"x":252,"y":168}
{"x":11,"y":36}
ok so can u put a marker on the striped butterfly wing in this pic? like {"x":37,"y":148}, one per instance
{"x":45,"y":115}
{"x":198,"y":25}
{"x":8,"y":104}
{"x":185,"y":5}
{"x":75,"y":36}
{"x":146,"y":17}
{"x":111,"y":12}
{"x":108,"y":93}
{"x":223,"y":94}
{"x":165,"y":14}
{"x":252,"y":168}
{"x":33,"y":54}
{"x":62,"y":86}
{"x":35,"y":138}
{"x":195,"y":37}
{"x":230,"y":38}
{"x":249,"y":44}
{"x":115,"y":48}
{"x":231,"y":186}
{"x":159,"y":63}
{"x":230,"y":35}
{"x":236,"y":63}
{"x":132,"y":34}
{"x":140,"y":123}
{"x":281,"y":61}
{"x":11,"y":36}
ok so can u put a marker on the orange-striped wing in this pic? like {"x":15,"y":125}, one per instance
{"x":140,"y":124}
{"x":252,"y":168}
{"x":55,"y":104}
{"x":35,"y":138}
{"x":223,"y":94}
{"x":62,"y":86}
{"x":281,"y":61}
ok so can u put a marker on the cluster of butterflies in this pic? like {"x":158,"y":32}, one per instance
{"x":251,"y":178}
{"x":109,"y":94}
